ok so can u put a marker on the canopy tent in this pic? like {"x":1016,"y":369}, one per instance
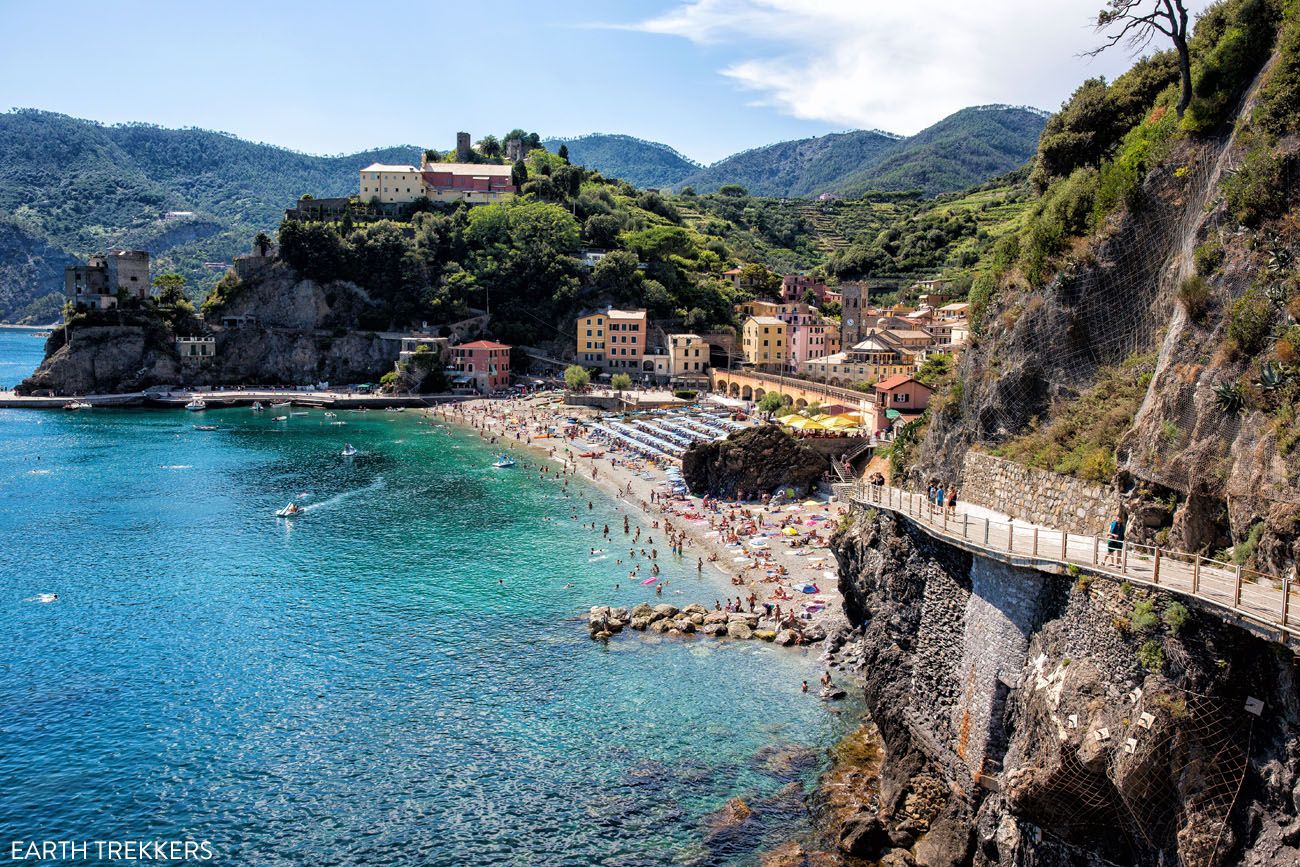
{"x":841,"y":422}
{"x":807,"y":424}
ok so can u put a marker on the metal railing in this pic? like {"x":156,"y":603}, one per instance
{"x":789,"y":381}
{"x":1264,"y":599}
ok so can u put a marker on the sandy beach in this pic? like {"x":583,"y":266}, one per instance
{"x":750,"y":554}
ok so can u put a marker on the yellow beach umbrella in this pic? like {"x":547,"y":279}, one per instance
{"x":840,"y":422}
{"x":786,"y":419}
{"x":807,"y":424}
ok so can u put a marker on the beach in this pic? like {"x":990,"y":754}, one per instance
{"x":752,"y":556}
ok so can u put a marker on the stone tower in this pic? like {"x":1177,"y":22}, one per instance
{"x":462,"y":147}
{"x":514,"y":149}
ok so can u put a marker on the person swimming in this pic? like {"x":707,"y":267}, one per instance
{"x":44,"y":597}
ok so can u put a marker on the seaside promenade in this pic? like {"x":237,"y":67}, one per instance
{"x":1267,"y":604}
{"x":163,"y":399}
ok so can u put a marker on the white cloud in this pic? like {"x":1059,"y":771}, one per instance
{"x":898,"y":66}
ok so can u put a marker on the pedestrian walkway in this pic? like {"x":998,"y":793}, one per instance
{"x":1233,"y":592}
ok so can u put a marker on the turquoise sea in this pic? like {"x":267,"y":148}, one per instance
{"x":399,"y":676}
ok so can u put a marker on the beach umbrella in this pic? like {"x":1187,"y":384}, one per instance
{"x":790,"y":531}
{"x":807,"y":424}
{"x":811,"y":504}
{"x":786,"y":419}
{"x":840,"y":423}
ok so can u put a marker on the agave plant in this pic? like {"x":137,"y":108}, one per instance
{"x":1271,"y":376}
{"x":1277,"y":294}
{"x":1230,"y":397}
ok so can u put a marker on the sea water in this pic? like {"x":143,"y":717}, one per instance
{"x":402,"y":675}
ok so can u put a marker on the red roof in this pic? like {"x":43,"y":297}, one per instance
{"x":896,"y":380}
{"x":482,"y":344}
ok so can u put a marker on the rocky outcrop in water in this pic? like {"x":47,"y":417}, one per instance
{"x":291,"y":332}
{"x":1029,"y":718}
{"x":750,"y":463}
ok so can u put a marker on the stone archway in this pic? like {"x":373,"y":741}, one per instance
{"x":735,"y":389}
{"x":800,"y":404}
{"x":758,"y":393}
{"x":746,"y":393}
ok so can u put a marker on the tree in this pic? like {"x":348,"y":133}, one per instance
{"x":771,"y":403}
{"x":1137,"y":22}
{"x":576,"y":377}
{"x":171,"y":289}
{"x":488,"y":146}
{"x":519,"y":173}
{"x":262,"y":243}
{"x":759,"y":280}
{"x":601,"y":230}
{"x":431,"y":156}
{"x":616,"y":275}
{"x":563,"y":153}
{"x":620,"y":382}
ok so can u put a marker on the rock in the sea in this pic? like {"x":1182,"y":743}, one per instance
{"x":765,"y":634}
{"x":832,"y":693}
{"x":739,"y":629}
{"x":814,"y":634}
{"x":717,"y":617}
{"x":662,"y":625}
{"x":640,"y":623}
{"x":786,"y":637}
{"x":697,"y":619}
{"x":684,"y":624}
{"x":620,"y":614}
{"x":665,"y":610}
{"x":714,"y":629}
{"x":753,"y":461}
{"x":642,"y":609}
{"x":695,"y":608}
{"x":864,"y":836}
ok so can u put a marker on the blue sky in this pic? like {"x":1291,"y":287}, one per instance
{"x":708,"y":77}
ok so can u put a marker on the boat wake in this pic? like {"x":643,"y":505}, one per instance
{"x":43,"y":597}
{"x":377,"y":484}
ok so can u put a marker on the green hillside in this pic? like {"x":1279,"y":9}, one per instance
{"x":639,"y":162}
{"x":962,"y":150}
{"x":80,"y":187}
{"x":795,"y":168}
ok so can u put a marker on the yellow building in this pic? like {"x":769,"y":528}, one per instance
{"x":391,"y":183}
{"x":613,"y":339}
{"x":763,"y":340}
{"x":688,"y":356}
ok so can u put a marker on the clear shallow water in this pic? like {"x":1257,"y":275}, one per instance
{"x":355,"y":686}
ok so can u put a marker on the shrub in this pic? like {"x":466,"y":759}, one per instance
{"x":1144,"y":615}
{"x":1242,"y":552}
{"x":1250,"y":321}
{"x":1175,"y":617}
{"x":1278,"y":112}
{"x":1257,"y":191}
{"x":1194,"y":296}
{"x":1208,"y":257}
{"x":1151,"y":655}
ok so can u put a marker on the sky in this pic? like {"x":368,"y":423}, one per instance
{"x":708,"y":77}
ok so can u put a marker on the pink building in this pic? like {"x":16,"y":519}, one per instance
{"x":485,"y":363}
{"x":795,"y":286}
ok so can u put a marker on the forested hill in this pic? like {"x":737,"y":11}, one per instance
{"x":962,"y":150}
{"x":637,"y":161}
{"x":77,"y":187}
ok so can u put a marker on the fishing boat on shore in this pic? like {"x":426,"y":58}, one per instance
{"x":348,"y":450}
{"x":504,"y":462}
{"x":196,"y":405}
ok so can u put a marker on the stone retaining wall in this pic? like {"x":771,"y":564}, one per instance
{"x":1037,"y":496}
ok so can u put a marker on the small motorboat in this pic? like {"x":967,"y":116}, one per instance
{"x":205,"y":427}
{"x":338,"y":422}
{"x":257,"y":406}
{"x":281,"y":405}
{"x":196,"y":405}
{"x":348,"y":450}
{"x":304,"y":412}
{"x":329,"y":414}
{"x":289,"y":511}
{"x":394,"y":409}
{"x":74,"y":405}
{"x":281,"y":418}
{"x":504,"y":462}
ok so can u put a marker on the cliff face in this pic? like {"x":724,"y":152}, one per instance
{"x":299,"y":333}
{"x":1217,"y":468}
{"x":752,"y":463}
{"x":1028,"y":718}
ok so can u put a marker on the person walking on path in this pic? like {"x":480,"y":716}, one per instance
{"x":950,"y":506}
{"x":1114,"y":540}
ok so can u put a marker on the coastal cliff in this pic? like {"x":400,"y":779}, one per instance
{"x":1031,"y":718}
{"x":289,"y":331}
